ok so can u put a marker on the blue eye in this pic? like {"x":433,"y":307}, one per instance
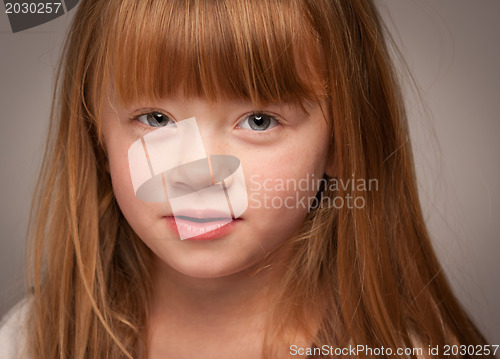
{"x":155,"y":119}
{"x":258,"y":122}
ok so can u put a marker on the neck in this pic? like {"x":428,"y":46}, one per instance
{"x":215,"y":313}
{"x":244,"y":294}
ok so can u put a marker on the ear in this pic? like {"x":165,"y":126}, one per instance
{"x":331,"y":166}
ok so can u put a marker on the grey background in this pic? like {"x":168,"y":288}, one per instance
{"x":452,"y":49}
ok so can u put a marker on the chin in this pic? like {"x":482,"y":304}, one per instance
{"x":209,"y":266}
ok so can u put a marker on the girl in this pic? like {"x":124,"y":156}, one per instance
{"x":330,"y":252}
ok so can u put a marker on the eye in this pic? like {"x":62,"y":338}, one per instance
{"x":155,"y":119}
{"x":258,"y":122}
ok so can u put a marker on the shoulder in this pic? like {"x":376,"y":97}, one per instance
{"x":13,"y":331}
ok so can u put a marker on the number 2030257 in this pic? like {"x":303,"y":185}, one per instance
{"x":33,"y":8}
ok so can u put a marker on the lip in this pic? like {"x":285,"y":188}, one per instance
{"x":201,"y":225}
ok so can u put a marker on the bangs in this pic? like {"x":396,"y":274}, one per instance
{"x":258,"y":50}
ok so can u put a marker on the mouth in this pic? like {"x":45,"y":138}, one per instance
{"x":202,"y":220}
{"x":201,"y":226}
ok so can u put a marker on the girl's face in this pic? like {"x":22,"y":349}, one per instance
{"x":280,"y":148}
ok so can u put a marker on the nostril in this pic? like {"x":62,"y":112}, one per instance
{"x":200,"y":174}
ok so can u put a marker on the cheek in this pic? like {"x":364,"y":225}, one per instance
{"x":281,"y":189}
{"x":140,"y":215}
{"x":122,"y":187}
{"x":289,"y":170}
{"x":120,"y":173}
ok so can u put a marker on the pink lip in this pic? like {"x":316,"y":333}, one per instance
{"x":213,"y":224}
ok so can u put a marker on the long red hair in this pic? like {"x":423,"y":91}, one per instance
{"x":366,"y":275}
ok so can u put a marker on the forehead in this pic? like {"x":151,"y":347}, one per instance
{"x":261,"y":51}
